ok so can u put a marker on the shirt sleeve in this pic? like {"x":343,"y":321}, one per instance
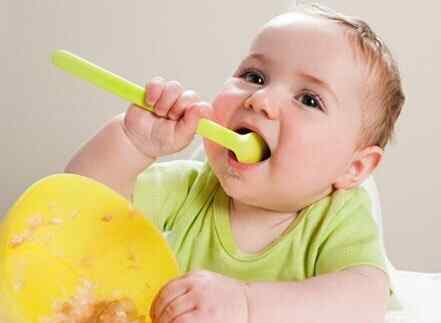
{"x":162,"y":188}
{"x":352,"y":237}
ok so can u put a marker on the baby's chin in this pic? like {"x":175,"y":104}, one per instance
{"x":244,"y":194}
{"x":239,"y":190}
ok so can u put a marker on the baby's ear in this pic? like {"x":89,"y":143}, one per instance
{"x":364,"y":163}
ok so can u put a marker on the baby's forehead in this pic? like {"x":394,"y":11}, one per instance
{"x":297,"y":22}
{"x":302,"y":34}
{"x":298,"y":35}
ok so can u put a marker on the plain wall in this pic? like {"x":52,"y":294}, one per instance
{"x":47,"y":115}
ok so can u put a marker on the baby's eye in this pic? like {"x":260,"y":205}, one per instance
{"x":253,"y":76}
{"x":310,"y":100}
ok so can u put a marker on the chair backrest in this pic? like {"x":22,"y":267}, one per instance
{"x":370,"y":186}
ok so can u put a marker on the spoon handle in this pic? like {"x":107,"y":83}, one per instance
{"x":248,"y":148}
{"x":220,"y":135}
{"x":100,"y":77}
{"x":132,"y":92}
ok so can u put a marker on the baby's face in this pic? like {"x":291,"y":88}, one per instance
{"x":300,"y":88}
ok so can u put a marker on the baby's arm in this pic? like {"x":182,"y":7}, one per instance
{"x":111,"y":158}
{"x":354,"y":295}
{"x":130,"y":142}
{"x":358,"y":294}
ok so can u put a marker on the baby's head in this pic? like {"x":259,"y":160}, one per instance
{"x":324,"y":92}
{"x":383,"y":94}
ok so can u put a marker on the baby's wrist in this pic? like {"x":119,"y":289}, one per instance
{"x":138,"y":154}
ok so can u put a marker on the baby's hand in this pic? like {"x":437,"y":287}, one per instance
{"x":173,"y":123}
{"x":201,"y":297}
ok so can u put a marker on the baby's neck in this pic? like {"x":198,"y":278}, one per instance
{"x":257,"y":213}
{"x":255,"y":228}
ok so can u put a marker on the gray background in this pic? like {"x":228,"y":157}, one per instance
{"x":47,"y":115}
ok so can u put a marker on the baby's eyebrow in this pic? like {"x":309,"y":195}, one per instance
{"x":319,"y":82}
{"x":258,"y":57}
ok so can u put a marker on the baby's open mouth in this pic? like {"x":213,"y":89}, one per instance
{"x":244,"y":131}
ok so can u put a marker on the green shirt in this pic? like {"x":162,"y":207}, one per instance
{"x":185,"y":200}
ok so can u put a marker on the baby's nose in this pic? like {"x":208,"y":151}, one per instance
{"x":261,"y":103}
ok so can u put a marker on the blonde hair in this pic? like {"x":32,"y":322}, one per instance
{"x":384,"y":92}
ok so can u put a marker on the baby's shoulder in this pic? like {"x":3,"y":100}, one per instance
{"x":342,"y":206}
{"x":349,"y":200}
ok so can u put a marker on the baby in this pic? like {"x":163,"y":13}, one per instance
{"x":288,"y":239}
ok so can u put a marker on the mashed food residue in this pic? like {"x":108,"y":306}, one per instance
{"x":85,"y":308}
{"x":33,"y":224}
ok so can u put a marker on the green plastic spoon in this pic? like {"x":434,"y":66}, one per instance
{"x":249,"y":148}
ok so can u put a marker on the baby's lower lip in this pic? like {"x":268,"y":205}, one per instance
{"x":233,"y":162}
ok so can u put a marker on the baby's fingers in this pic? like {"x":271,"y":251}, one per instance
{"x":167,"y":294}
{"x":187,"y":125}
{"x":187,"y":98}
{"x":154,"y":90}
{"x":179,"y":306}
{"x":171,"y":92}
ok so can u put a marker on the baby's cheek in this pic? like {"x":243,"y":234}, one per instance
{"x":226,"y":103}
{"x":221,"y":109}
{"x":219,"y":115}
{"x":212,"y":150}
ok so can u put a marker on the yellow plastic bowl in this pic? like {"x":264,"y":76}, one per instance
{"x":66,"y":231}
